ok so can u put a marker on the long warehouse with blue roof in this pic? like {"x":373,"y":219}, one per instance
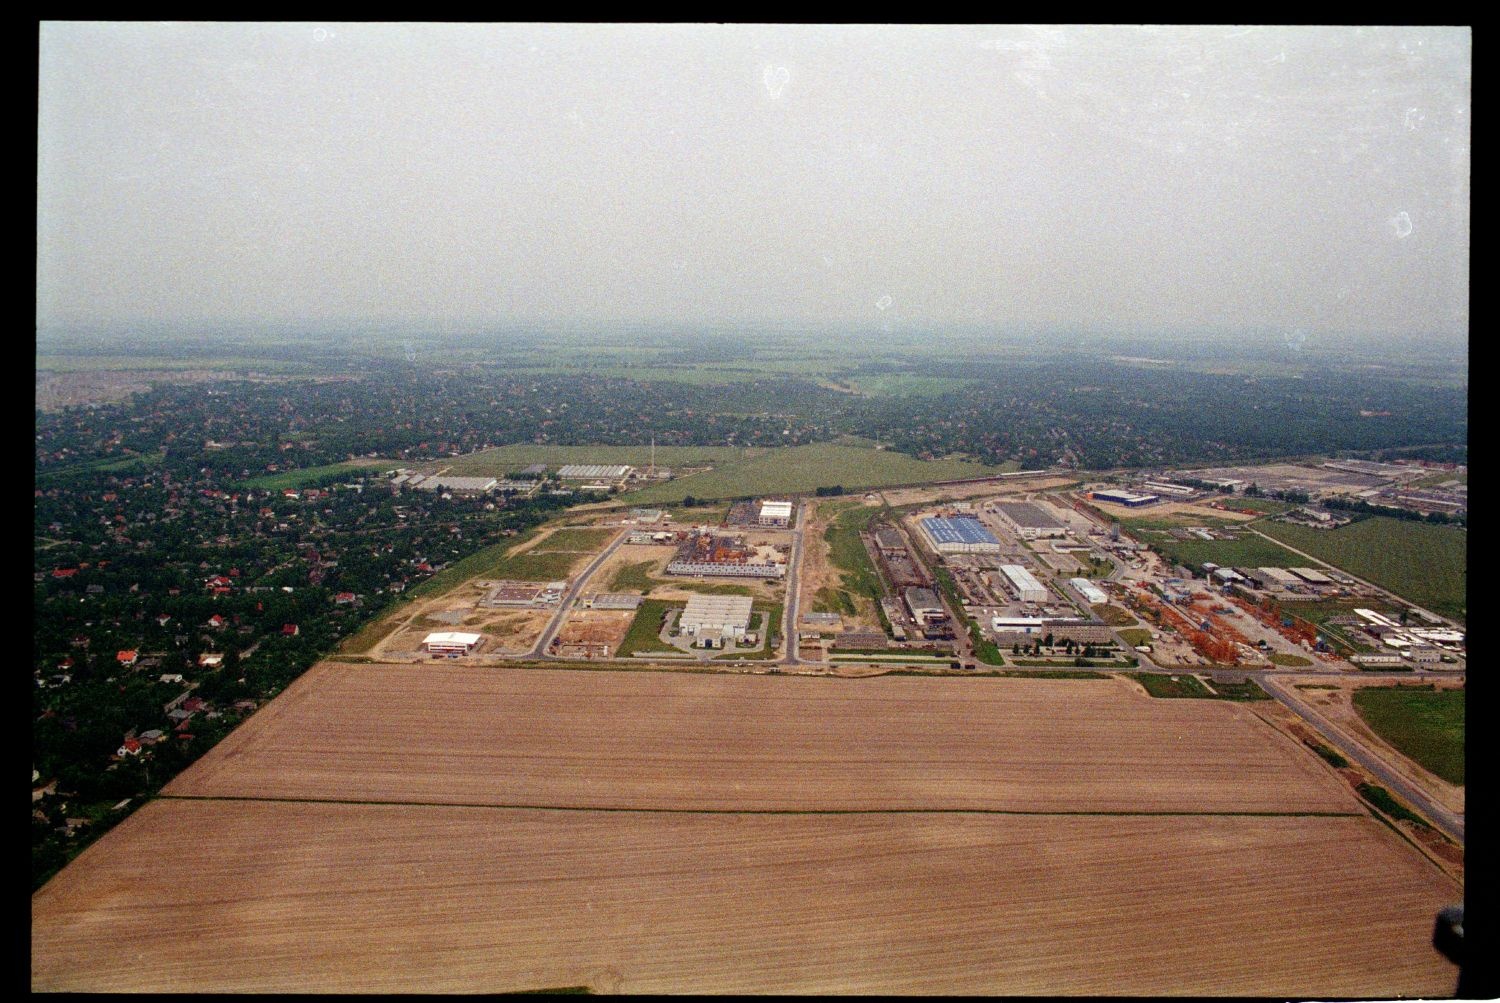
{"x":959,"y":535}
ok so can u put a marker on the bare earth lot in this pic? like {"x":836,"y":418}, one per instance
{"x":267,"y":896}
{"x":452,"y":734}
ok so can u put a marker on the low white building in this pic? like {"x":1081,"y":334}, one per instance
{"x":451,"y":642}
{"x":1018,"y":624}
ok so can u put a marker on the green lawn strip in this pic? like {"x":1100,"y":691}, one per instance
{"x":314,"y":475}
{"x":1058,"y":674}
{"x":1420,"y":562}
{"x":1277,"y":658}
{"x":1092,"y":663}
{"x":1329,"y":756}
{"x":645,"y":629}
{"x":1135,"y":635}
{"x":1427,"y":725}
{"x":1382,"y":799}
{"x":888,"y":657}
{"x":106,"y":465}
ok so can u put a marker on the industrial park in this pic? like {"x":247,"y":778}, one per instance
{"x":719,"y":508}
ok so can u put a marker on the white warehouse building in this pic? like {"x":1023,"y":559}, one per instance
{"x":716,"y":616}
{"x":775,"y":513}
{"x":1089,"y":591}
{"x":1027,"y":588}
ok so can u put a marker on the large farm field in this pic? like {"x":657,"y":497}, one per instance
{"x":801,"y":469}
{"x":525,"y":737}
{"x":298,"y":897}
{"x":1421,"y":563}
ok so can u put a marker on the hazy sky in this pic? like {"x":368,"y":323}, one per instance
{"x":1143,"y":179}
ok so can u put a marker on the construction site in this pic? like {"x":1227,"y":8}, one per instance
{"x":705,"y":552}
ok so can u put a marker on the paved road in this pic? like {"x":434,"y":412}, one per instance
{"x":1450,"y":822}
{"x":793,"y":587}
{"x":540,"y":650}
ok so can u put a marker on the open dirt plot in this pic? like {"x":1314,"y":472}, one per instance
{"x":503,"y":629}
{"x":1169,"y":508}
{"x":264,"y":896}
{"x":527,"y":737}
{"x":1008,"y":485}
{"x":596,"y":626}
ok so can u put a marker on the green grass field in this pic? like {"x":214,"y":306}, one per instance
{"x":1115,"y":616}
{"x":502,"y":460}
{"x":577,"y":541}
{"x":497,"y":561}
{"x":645,"y":629}
{"x":1420,"y":562}
{"x":1248,"y":551}
{"x":1293,"y":661}
{"x":1135,"y":635}
{"x":312,"y":475}
{"x":801,"y":469}
{"x":105,"y":466}
{"x":847,"y":552}
{"x":1190,"y":687}
{"x":1427,"y":725}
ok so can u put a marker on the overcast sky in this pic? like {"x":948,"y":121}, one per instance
{"x":1133,"y":179}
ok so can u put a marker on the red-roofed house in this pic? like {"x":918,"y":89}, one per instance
{"x":344,"y":598}
{"x":216,"y":621}
{"x":127,"y":658}
{"x":163,"y":620}
{"x":290,"y":630}
{"x":130,"y":748}
{"x":64,"y":572}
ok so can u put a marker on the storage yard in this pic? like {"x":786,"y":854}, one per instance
{"x":414,"y":893}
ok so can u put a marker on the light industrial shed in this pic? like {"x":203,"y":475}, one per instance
{"x":593,"y":471}
{"x":1029,"y":521}
{"x":450,"y":642}
{"x":716,"y":616}
{"x":1027,"y":588}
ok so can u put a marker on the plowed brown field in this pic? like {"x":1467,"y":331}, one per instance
{"x":456,"y":735}
{"x":265,"y":896}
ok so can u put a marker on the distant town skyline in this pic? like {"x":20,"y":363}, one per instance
{"x":1283,"y":181}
